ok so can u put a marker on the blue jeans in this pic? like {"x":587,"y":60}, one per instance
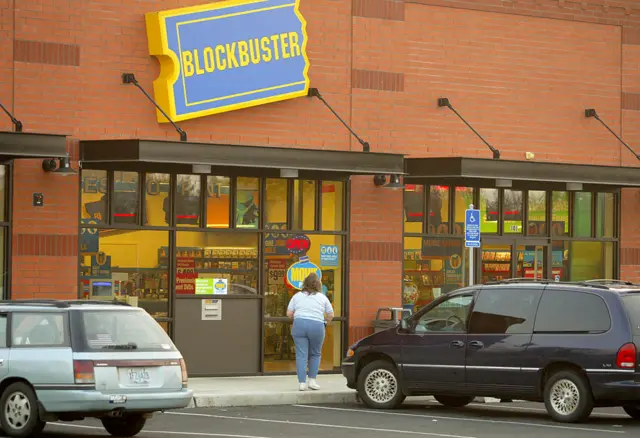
{"x":308,"y":336}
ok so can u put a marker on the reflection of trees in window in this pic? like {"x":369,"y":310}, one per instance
{"x":438,"y":205}
{"x":187,"y":203}
{"x":512,"y":205}
{"x":125,"y":198}
{"x":489,"y":197}
{"x":414,"y":203}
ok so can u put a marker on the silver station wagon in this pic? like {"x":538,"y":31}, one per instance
{"x":69,"y":360}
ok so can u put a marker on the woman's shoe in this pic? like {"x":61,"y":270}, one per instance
{"x":302,"y":386}
{"x":313,"y":385}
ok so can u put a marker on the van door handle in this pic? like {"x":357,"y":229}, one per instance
{"x":1,"y":362}
{"x":457,"y":344}
{"x":476,"y":345}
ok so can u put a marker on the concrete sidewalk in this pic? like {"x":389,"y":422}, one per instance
{"x":274,"y":390}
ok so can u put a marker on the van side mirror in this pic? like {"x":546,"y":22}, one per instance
{"x":405,"y":325}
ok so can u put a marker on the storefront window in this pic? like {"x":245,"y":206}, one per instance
{"x":537,"y":213}
{"x":218,"y":191}
{"x":464,"y":198}
{"x":413,"y":208}
{"x":130,"y":266}
{"x":332,"y":202}
{"x":590,"y":260}
{"x":496,"y":262}
{"x":489,"y":204}
{"x":188,"y":209}
{"x":277,"y":203}
{"x":438,"y":210}
{"x":125,"y":198}
{"x":3,"y":262}
{"x":247,"y":208}
{"x":512,"y":212}
{"x":215,"y":263}
{"x":304,"y":204}
{"x":582,"y":208}
{"x":560,"y":214}
{"x":156,"y":199}
{"x":94,"y":196}
{"x":3,"y":194}
{"x":605,"y":215}
{"x":284,"y":273}
{"x":432,"y":266}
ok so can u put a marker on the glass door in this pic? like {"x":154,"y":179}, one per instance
{"x":531,"y":260}
{"x":502,"y":259}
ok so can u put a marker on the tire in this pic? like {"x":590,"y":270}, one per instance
{"x":19,"y":415}
{"x":632,"y":411}
{"x":453,"y":401}
{"x":568,"y":397}
{"x":379,"y":385}
{"x":127,"y":426}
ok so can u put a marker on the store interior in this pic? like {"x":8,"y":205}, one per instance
{"x":133,"y":265}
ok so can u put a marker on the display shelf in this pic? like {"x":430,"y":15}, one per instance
{"x":227,"y":271}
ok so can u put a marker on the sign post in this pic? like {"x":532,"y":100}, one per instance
{"x":471,"y":235}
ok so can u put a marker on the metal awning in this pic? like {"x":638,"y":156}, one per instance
{"x":158,"y":154}
{"x":30,"y":145}
{"x":481,"y":171}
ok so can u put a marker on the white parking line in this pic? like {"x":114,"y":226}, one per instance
{"x":476,"y":420}
{"x":332,"y":426}
{"x":163,"y":432}
{"x":525,"y":409}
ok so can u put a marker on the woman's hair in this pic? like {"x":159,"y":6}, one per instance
{"x":312,"y":284}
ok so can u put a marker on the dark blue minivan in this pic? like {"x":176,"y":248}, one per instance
{"x":573,"y":346}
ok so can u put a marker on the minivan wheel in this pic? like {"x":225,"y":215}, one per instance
{"x":379,"y":385}
{"x":453,"y":401}
{"x":19,"y":416}
{"x":567,"y":396}
{"x":632,"y":411}
{"x":127,"y":426}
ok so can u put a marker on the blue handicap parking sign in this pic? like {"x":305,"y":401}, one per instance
{"x":472,"y":228}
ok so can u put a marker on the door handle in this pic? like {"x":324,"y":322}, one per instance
{"x":476,"y":344}
{"x":457,"y":344}
{"x":1,"y":362}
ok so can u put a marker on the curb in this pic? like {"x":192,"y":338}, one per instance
{"x":291,"y":398}
{"x":267,"y":399}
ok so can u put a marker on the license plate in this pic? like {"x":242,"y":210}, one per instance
{"x":139,"y":376}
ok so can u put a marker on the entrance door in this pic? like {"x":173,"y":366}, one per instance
{"x":502,"y":259}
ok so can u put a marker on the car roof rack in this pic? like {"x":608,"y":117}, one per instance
{"x":548,"y":281}
{"x":61,"y":304}
{"x":611,"y":281}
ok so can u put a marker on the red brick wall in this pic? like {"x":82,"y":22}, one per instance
{"x":521,"y":71}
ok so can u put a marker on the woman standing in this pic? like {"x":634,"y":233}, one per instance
{"x":311,"y":312}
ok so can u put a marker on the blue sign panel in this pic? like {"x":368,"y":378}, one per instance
{"x":300,"y":270}
{"x":228,"y":55}
{"x":472,"y":228}
{"x":100,"y":266}
{"x":329,"y":255}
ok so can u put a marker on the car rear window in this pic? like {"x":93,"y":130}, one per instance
{"x":124,"y":330}
{"x":632,"y":304}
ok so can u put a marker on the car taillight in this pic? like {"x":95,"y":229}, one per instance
{"x":626,"y":357}
{"x":83,"y":371}
{"x":183,"y":368}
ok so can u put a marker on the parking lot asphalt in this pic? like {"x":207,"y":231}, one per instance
{"x":424,"y":419}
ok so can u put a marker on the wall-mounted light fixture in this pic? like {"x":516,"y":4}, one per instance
{"x":574,"y":186}
{"x":65,"y":169}
{"x":504,"y":183}
{"x":592,"y":113}
{"x":394,"y":182}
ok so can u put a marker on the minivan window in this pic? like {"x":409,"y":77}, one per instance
{"x":631,"y":303}
{"x":505,"y":310}
{"x":448,"y":316}
{"x":37,"y":329}
{"x":124,"y":330}
{"x":568,"y":311}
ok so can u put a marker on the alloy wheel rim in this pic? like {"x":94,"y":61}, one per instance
{"x":17,"y":410}
{"x":381,"y":386}
{"x":565,"y":397}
